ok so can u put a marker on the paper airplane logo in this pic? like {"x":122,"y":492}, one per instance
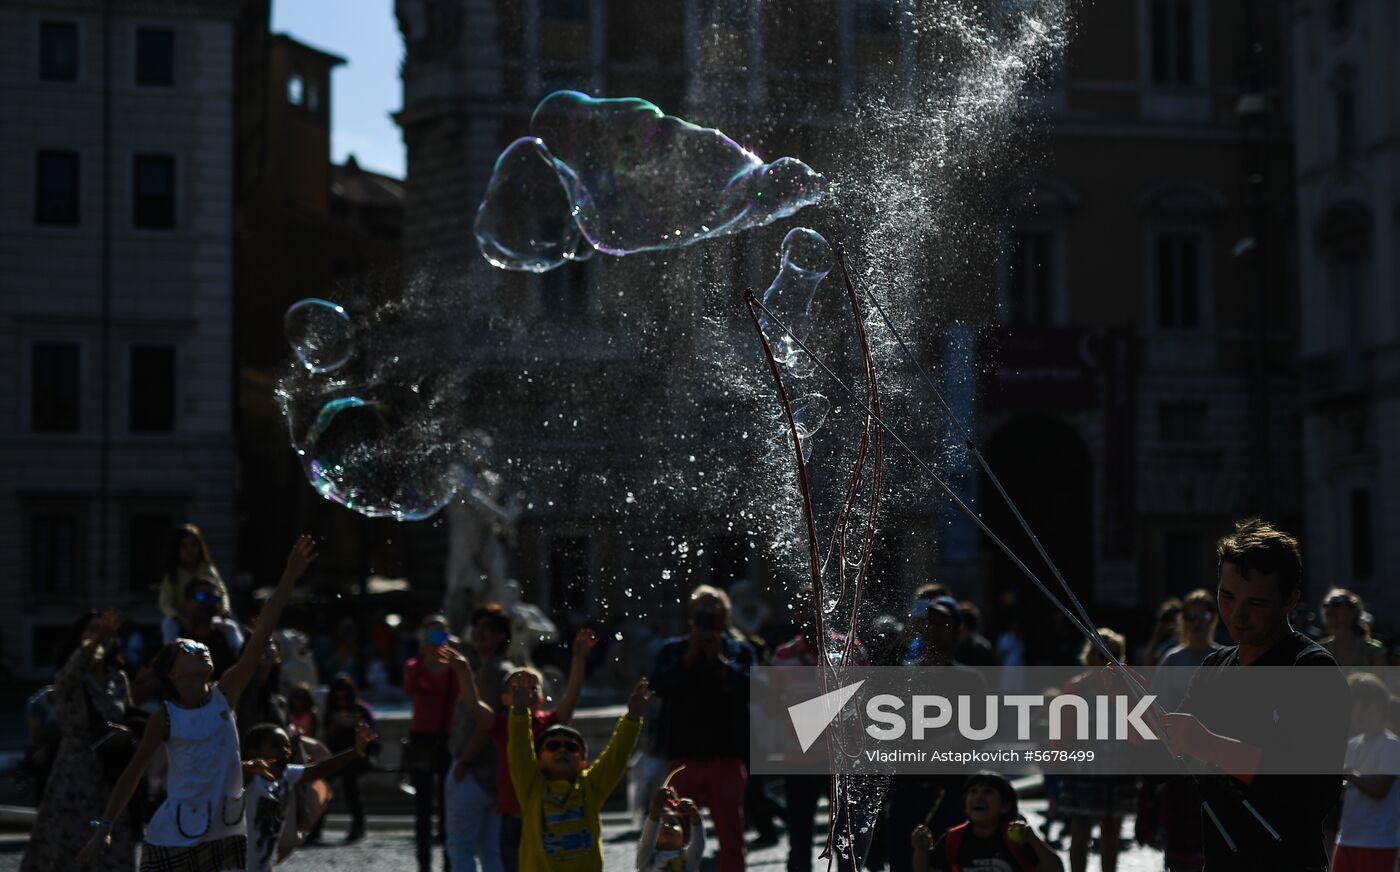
{"x":811,"y":718}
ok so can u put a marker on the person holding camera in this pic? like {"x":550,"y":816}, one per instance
{"x":703,"y":681}
{"x":432,"y":687}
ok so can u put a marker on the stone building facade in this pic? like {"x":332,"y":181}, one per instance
{"x":1146,"y":297}
{"x":116,"y":286}
{"x":1348,"y":181}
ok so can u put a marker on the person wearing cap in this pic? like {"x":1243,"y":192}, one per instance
{"x":925,"y":594}
{"x":561,"y":798}
{"x":931,"y":800}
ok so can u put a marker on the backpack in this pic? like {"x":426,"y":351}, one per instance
{"x":952,"y":841}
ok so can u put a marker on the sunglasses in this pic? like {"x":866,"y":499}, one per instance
{"x":1199,"y":617}
{"x":563,"y":745}
{"x":201,"y":596}
{"x":189,"y":646}
{"x":1337,"y":604}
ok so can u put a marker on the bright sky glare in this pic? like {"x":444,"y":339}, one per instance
{"x":367,"y":88}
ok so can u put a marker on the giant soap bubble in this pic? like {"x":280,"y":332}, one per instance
{"x":320,"y":333}
{"x":523,"y":222}
{"x":364,"y":454}
{"x":806,"y":261}
{"x":641,"y":180}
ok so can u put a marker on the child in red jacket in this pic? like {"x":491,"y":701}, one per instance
{"x":994,"y":831}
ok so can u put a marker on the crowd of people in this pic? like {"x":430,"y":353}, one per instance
{"x":203,"y":758}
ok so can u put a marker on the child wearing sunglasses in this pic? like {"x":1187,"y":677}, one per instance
{"x":200,"y":827}
{"x":673,"y":836}
{"x":561,"y":798}
{"x":507,"y":804}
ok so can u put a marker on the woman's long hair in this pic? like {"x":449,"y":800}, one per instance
{"x":161,"y":665}
{"x":172,"y":548}
{"x":1357,"y":606}
{"x":341,"y":681}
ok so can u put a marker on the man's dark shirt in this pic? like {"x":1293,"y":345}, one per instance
{"x":704,"y":707}
{"x":1288,"y":718}
{"x":975,"y":651}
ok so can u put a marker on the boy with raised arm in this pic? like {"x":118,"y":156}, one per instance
{"x":560,"y":798}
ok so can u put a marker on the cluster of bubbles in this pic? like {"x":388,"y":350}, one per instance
{"x":620,"y":176}
{"x":363,"y":442}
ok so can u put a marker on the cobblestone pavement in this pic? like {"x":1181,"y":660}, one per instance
{"x":389,"y":848}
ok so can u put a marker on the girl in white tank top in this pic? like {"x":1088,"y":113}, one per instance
{"x":199,"y":827}
{"x":204,"y":791}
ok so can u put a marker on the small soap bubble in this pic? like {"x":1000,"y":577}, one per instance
{"x":806,"y":260}
{"x":809,"y":414}
{"x":320,"y":334}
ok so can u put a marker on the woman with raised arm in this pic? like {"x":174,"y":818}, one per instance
{"x":89,"y":691}
{"x":200,"y":826}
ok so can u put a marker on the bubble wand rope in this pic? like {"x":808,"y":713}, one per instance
{"x":969,"y":443}
{"x":1090,"y":636}
{"x":872,"y":393}
{"x":837,"y":548}
{"x":808,"y":518}
{"x":976,"y":451}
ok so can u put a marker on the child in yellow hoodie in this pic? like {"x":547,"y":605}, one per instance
{"x":560,"y":800}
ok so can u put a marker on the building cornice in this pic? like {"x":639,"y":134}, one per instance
{"x":228,"y":9}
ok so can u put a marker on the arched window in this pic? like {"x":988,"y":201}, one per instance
{"x":296,"y":89}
